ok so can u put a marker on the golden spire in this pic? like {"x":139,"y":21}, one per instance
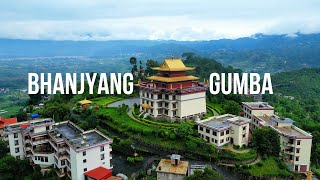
{"x":309,"y":175}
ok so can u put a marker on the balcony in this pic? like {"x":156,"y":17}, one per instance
{"x":59,"y":173}
{"x":289,"y":152}
{"x":40,"y":141}
{"x":290,"y":144}
{"x":62,"y":155}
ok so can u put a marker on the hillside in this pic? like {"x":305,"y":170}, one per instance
{"x":259,"y":53}
{"x":304,"y":86}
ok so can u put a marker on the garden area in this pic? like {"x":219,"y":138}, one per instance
{"x":267,"y":167}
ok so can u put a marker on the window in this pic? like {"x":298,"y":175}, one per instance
{"x":151,"y":104}
{"x":221,"y":133}
{"x":200,"y":128}
{"x":167,"y":97}
{"x":102,"y":156}
{"x":227,"y":132}
{"x":85,"y":170}
{"x":244,"y":135}
{"x":17,"y":150}
{"x":101,"y":148}
{"x":215,"y":141}
{"x":244,"y":128}
{"x":15,"y":135}
{"x":208,"y":130}
{"x":63,"y":162}
{"x":297,"y":158}
{"x":298,"y":151}
{"x":16,"y":142}
{"x":296,"y":167}
{"x":214,"y":133}
{"x":17,"y":157}
{"x":84,"y":161}
{"x":47,"y":128}
{"x":45,"y":159}
{"x":298,"y":142}
{"x":222,"y":140}
{"x":173,"y":97}
{"x":227,"y":139}
{"x":84,"y":153}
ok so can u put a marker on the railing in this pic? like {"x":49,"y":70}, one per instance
{"x":289,"y":152}
{"x":39,"y":141}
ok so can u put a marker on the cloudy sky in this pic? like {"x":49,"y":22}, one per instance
{"x":148,"y":19}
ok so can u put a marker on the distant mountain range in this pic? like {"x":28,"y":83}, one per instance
{"x":259,"y":53}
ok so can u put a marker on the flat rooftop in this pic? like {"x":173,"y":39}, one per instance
{"x":217,"y":122}
{"x":165,"y":166}
{"x":76,"y":136}
{"x":287,"y":130}
{"x":25,"y":125}
{"x":257,"y":105}
{"x":272,"y":120}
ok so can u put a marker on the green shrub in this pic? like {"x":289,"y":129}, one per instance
{"x":173,"y":136}
{"x":133,"y":160}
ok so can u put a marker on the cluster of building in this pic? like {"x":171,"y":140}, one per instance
{"x":174,"y":95}
{"x":72,"y":151}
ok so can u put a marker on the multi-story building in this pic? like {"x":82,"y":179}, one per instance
{"x":173,"y":168}
{"x":256,"y":109}
{"x":227,"y":128}
{"x":173,"y":94}
{"x":295,"y":143}
{"x":65,"y":146}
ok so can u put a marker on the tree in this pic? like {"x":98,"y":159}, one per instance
{"x":266,"y":141}
{"x":184,"y":130}
{"x":21,"y":115}
{"x":133,"y":60}
{"x":3,"y":149}
{"x":151,"y":63}
{"x":231,"y":107}
{"x":206,"y":174}
{"x":11,"y":168}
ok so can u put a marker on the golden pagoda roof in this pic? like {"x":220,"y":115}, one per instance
{"x":85,"y":101}
{"x":173,"y":79}
{"x":172,"y":65}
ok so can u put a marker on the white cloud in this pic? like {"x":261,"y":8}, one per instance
{"x":143,"y":19}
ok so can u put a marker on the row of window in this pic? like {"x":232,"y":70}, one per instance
{"x":163,"y":96}
{"x":213,"y":132}
{"x":160,"y":104}
{"x":207,"y":138}
{"x":41,"y":158}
